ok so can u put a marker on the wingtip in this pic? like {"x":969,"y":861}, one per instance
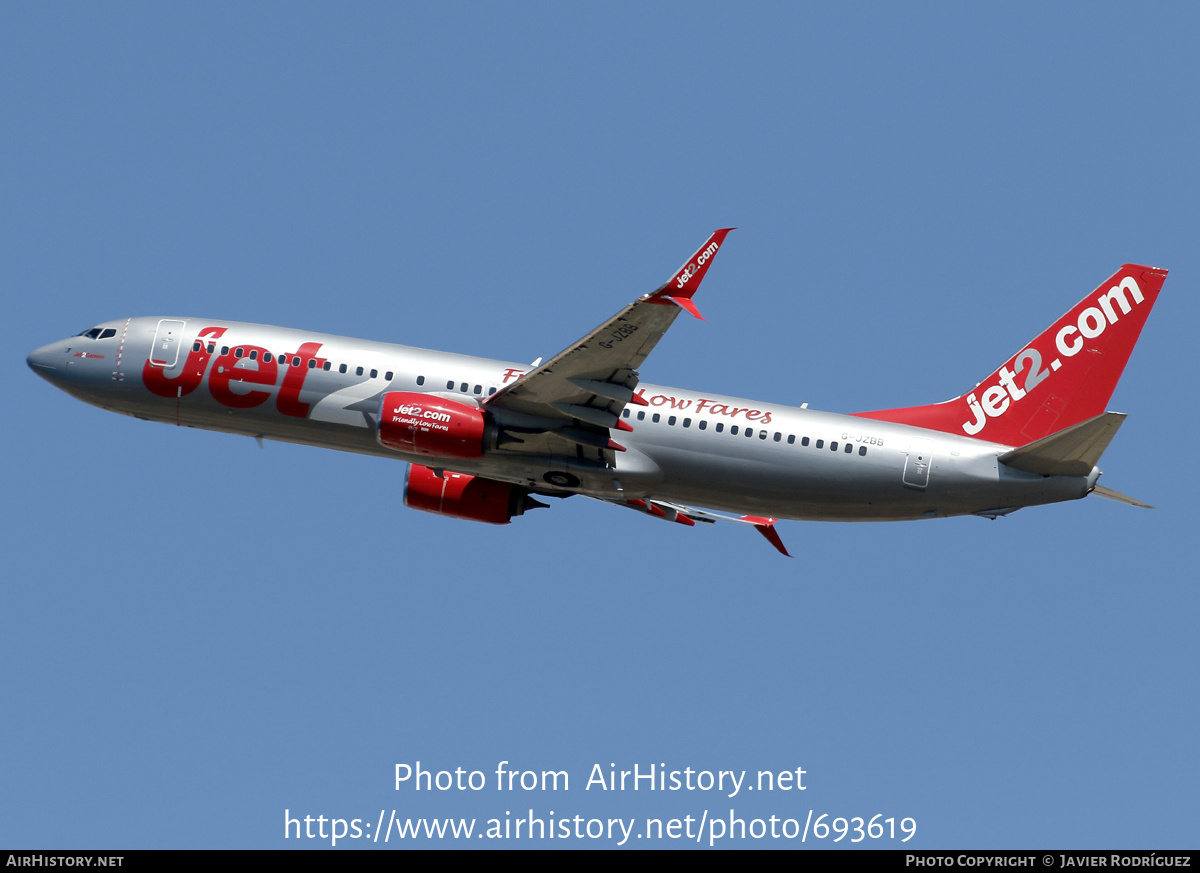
{"x":766,"y":527}
{"x":687,"y":304}
{"x":683,"y":284}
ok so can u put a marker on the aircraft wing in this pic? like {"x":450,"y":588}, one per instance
{"x":689,"y":515}
{"x":579,"y":393}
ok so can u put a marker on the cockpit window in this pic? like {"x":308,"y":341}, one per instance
{"x":99,"y":333}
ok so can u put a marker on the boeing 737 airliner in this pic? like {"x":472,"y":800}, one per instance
{"x":483,"y":437}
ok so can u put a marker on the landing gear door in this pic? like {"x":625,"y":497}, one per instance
{"x":167,"y":340}
{"x":916,"y":466}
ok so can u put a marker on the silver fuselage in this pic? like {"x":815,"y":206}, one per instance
{"x":690,"y":447}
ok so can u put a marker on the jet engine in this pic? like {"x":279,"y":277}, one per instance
{"x":424,"y":424}
{"x":461,"y":496}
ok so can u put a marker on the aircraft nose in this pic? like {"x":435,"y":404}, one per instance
{"x":46,"y":361}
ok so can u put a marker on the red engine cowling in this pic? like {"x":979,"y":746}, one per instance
{"x":461,"y":496}
{"x":421,"y":424}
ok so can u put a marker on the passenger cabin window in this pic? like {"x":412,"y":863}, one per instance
{"x":420,"y":380}
{"x":804,"y":441}
{"x":450,"y":385}
{"x":327,"y":365}
{"x":862,"y":451}
{"x":671,"y":421}
{"x":820,"y":444}
{"x":342,"y":368}
{"x":358,"y":371}
{"x":657,"y":418}
{"x":791,"y":439}
{"x":703,"y":425}
{"x":733,"y":430}
{"x":721,"y":427}
{"x":388,"y":375}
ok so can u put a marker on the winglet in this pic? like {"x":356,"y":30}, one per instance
{"x":680,"y":287}
{"x":766,"y":527}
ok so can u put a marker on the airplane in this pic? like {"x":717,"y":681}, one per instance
{"x":484,"y":438}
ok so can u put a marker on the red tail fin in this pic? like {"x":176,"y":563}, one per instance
{"x":1063,"y":377}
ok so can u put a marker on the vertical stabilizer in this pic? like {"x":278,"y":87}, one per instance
{"x":1062,"y":378}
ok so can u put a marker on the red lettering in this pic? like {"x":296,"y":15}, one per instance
{"x":191,"y":374}
{"x":227,"y":371}
{"x":288,"y":401}
{"x":512,"y":374}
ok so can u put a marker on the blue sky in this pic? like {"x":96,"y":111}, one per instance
{"x":200,"y":634}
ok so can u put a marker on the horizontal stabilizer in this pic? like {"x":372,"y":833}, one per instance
{"x":1073,"y":451}
{"x":1101,"y":491}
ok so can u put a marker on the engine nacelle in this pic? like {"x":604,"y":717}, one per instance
{"x":422,"y":424}
{"x":461,"y":496}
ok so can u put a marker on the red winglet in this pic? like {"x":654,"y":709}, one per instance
{"x":680,"y":287}
{"x":687,"y":304}
{"x":766,"y":527}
